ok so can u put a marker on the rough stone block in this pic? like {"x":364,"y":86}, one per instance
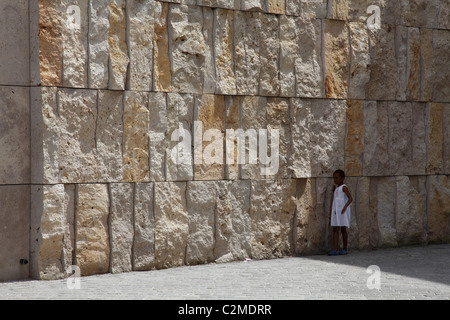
{"x":400,"y":138}
{"x":161,"y":64}
{"x":232,"y":221}
{"x":144,"y":227}
{"x":14,"y":43}
{"x":226,"y":4}
{"x":15,"y":235}
{"x":438,"y":208}
{"x":434,"y":138}
{"x":359,"y":60}
{"x":269,"y":56}
{"x":354,"y":144}
{"x":247,"y":30}
{"x":109,"y":136}
{"x":254,"y":5}
{"x":338,"y":9}
{"x":158,"y":135}
{"x":232,"y":122}
{"x":75,"y":28}
{"x":135,"y":137}
{"x":92,"y":230}
{"x":289,"y":51}
{"x":337,"y":58}
{"x":140,"y":24}
{"x":272,"y":214}
{"x":276,"y":6}
{"x":209,"y":138}
{"x":98,"y":71}
{"x":118,"y":47}
{"x":14,"y":135}
{"x":301,"y":135}
{"x":223,"y":51}
{"x":441,"y":47}
{"x":171,"y":224}
{"x":77,"y":111}
{"x":121,"y":227}
{"x":51,"y":227}
{"x":420,"y":13}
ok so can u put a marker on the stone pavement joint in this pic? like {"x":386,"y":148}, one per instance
{"x":404,"y":273}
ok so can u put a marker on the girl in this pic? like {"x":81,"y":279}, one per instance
{"x":340,"y":212}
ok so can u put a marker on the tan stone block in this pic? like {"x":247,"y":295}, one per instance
{"x":272,"y":214}
{"x":359,"y":60}
{"x":434,"y":138}
{"x":118,"y":47}
{"x":232,"y":122}
{"x":247,"y":31}
{"x":441,"y":46}
{"x":338,"y":10}
{"x":269,"y":56}
{"x":308,"y":9}
{"x":420,"y":13}
{"x":121,"y":226}
{"x":226,"y":4}
{"x":289,"y":48}
{"x":233,"y":236}
{"x":171,"y":224}
{"x":158,"y":135}
{"x":400,"y":138}
{"x":276,"y":6}
{"x":428,"y":64}
{"x":438,"y":208}
{"x":136,"y":120}
{"x":75,"y":28}
{"x":144,"y":227}
{"x":140,"y":24}
{"x":161,"y":64}
{"x":92,"y":230}
{"x":376,"y":139}
{"x":414,"y":65}
{"x":301,"y":135}
{"x":386,"y":201}
{"x":109,"y":136}
{"x":223,"y":50}
{"x":366,"y":210}
{"x":15,"y":235}
{"x":419,"y":146}
{"x":446,"y":132}
{"x":14,"y":135}
{"x":354,"y":144}
{"x":77,"y":154}
{"x":254,"y":5}
{"x":444,"y":13}
{"x":209,"y":156}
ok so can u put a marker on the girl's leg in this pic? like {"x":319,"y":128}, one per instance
{"x":336,"y":238}
{"x":344,"y":237}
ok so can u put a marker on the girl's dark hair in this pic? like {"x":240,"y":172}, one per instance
{"x":340,"y":172}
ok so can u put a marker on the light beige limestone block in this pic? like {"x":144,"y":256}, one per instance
{"x":98,"y":70}
{"x":276,"y":6}
{"x":187,"y":48}
{"x":254,"y":5}
{"x":179,"y":157}
{"x":109,"y":136}
{"x":269,"y":56}
{"x":354,"y":143}
{"x":226,"y":4}
{"x":92,"y":230}
{"x":161,"y":64}
{"x":400,"y":138}
{"x":309,"y":67}
{"x":209,"y":138}
{"x":77,"y":110}
{"x":201,"y":199}
{"x":338,"y":9}
{"x":232,"y":122}
{"x":376,"y":139}
{"x":301,"y":135}
{"x":247,"y":30}
{"x":144,"y":227}
{"x":419,"y":147}
{"x":158,"y":135}
{"x":289,"y":49}
{"x":337,"y":58}
{"x":365,"y":204}
{"x":223,"y":50}
{"x":140,"y":24}
{"x":136,"y":121}
{"x":48,"y":232}
{"x":171,"y":224}
{"x":420,"y":13}
{"x":121,"y":226}
{"x":74,"y":15}
{"x":385,"y":194}
{"x":308,"y":9}
{"x":441,"y":47}
{"x":118,"y":47}
{"x":232,"y":221}
{"x":359,"y":60}
{"x":14,"y":135}
{"x":272,"y":214}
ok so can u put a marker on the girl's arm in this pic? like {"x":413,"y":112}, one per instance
{"x":350,"y":199}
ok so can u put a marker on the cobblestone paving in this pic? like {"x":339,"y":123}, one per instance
{"x":405,"y":273}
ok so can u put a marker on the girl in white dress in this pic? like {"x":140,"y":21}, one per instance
{"x":340,"y":212}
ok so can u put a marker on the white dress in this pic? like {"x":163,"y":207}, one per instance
{"x":339,"y":200}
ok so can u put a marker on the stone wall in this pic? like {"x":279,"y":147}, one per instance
{"x":91,"y":93}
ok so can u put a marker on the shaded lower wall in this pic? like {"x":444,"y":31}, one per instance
{"x":121,"y":227}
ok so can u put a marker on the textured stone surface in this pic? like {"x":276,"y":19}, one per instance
{"x":354,"y":143}
{"x":15,"y":235}
{"x":171,"y":224}
{"x":121,"y":226}
{"x":438,"y":207}
{"x":162,"y":74}
{"x":337,"y":58}
{"x":92,"y":230}
{"x":14,"y":50}
{"x":359,"y":60}
{"x":14,"y":135}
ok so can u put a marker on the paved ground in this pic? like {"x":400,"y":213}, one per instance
{"x":404,"y":273}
